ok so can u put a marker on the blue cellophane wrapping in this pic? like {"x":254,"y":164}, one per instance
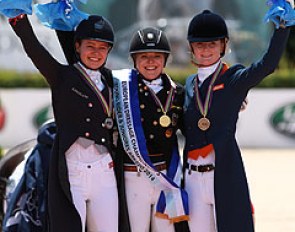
{"x":13,"y":8}
{"x":62,"y":15}
{"x":280,"y":13}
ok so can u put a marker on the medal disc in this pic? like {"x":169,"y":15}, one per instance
{"x":165,"y":121}
{"x":108,"y":123}
{"x":204,"y":124}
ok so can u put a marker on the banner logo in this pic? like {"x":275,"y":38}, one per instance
{"x":43,"y":115}
{"x":283,"y":120}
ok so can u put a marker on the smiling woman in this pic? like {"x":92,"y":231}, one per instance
{"x":92,"y":53}
{"x":150,"y":104}
{"x":150,"y":64}
{"x":82,"y":105}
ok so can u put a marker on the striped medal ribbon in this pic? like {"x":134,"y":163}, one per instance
{"x":107,"y":106}
{"x":204,"y":122}
{"x":164,"y":120}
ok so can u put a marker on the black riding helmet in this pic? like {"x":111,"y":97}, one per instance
{"x":206,"y":27}
{"x":149,"y":39}
{"x":95,"y":28}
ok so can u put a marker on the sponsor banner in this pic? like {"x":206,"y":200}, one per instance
{"x":25,"y":111}
{"x":269,"y":119}
{"x":267,"y":122}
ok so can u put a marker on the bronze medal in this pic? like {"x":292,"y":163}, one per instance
{"x":165,"y":120}
{"x":108,"y":123}
{"x":204,"y":124}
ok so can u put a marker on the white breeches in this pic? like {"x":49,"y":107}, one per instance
{"x":93,"y":188}
{"x":200,"y":189}
{"x":142,"y":197}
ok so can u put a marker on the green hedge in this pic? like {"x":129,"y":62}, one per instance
{"x":283,"y":78}
{"x":12,"y":79}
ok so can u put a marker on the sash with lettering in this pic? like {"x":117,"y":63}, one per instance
{"x":173,"y":201}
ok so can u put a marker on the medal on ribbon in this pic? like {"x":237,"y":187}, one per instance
{"x":107,"y":106}
{"x":164,"y":120}
{"x":204,"y":123}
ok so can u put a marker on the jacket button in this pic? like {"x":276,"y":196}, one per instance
{"x":88,"y":119}
{"x":87,"y":134}
{"x":152,"y":136}
{"x":90,"y":105}
{"x":103,"y":140}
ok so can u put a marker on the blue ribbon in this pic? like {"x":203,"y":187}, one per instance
{"x":280,"y":13}
{"x":13,"y":8}
{"x":62,"y":15}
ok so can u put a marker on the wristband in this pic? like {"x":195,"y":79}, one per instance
{"x":14,"y":20}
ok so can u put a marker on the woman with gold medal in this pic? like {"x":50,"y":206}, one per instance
{"x":215,"y":178}
{"x":156,"y":108}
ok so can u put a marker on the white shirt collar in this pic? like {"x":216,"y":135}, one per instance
{"x":95,"y":76}
{"x":204,"y":73}
{"x":156,"y":85}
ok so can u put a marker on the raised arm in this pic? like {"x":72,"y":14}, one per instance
{"x":252,"y":75}
{"x":41,"y":58}
{"x":66,"y":40}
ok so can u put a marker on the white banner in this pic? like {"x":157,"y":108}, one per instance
{"x":26,"y":108}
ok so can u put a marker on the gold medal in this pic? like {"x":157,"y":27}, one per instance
{"x":204,"y":124}
{"x":165,"y":120}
